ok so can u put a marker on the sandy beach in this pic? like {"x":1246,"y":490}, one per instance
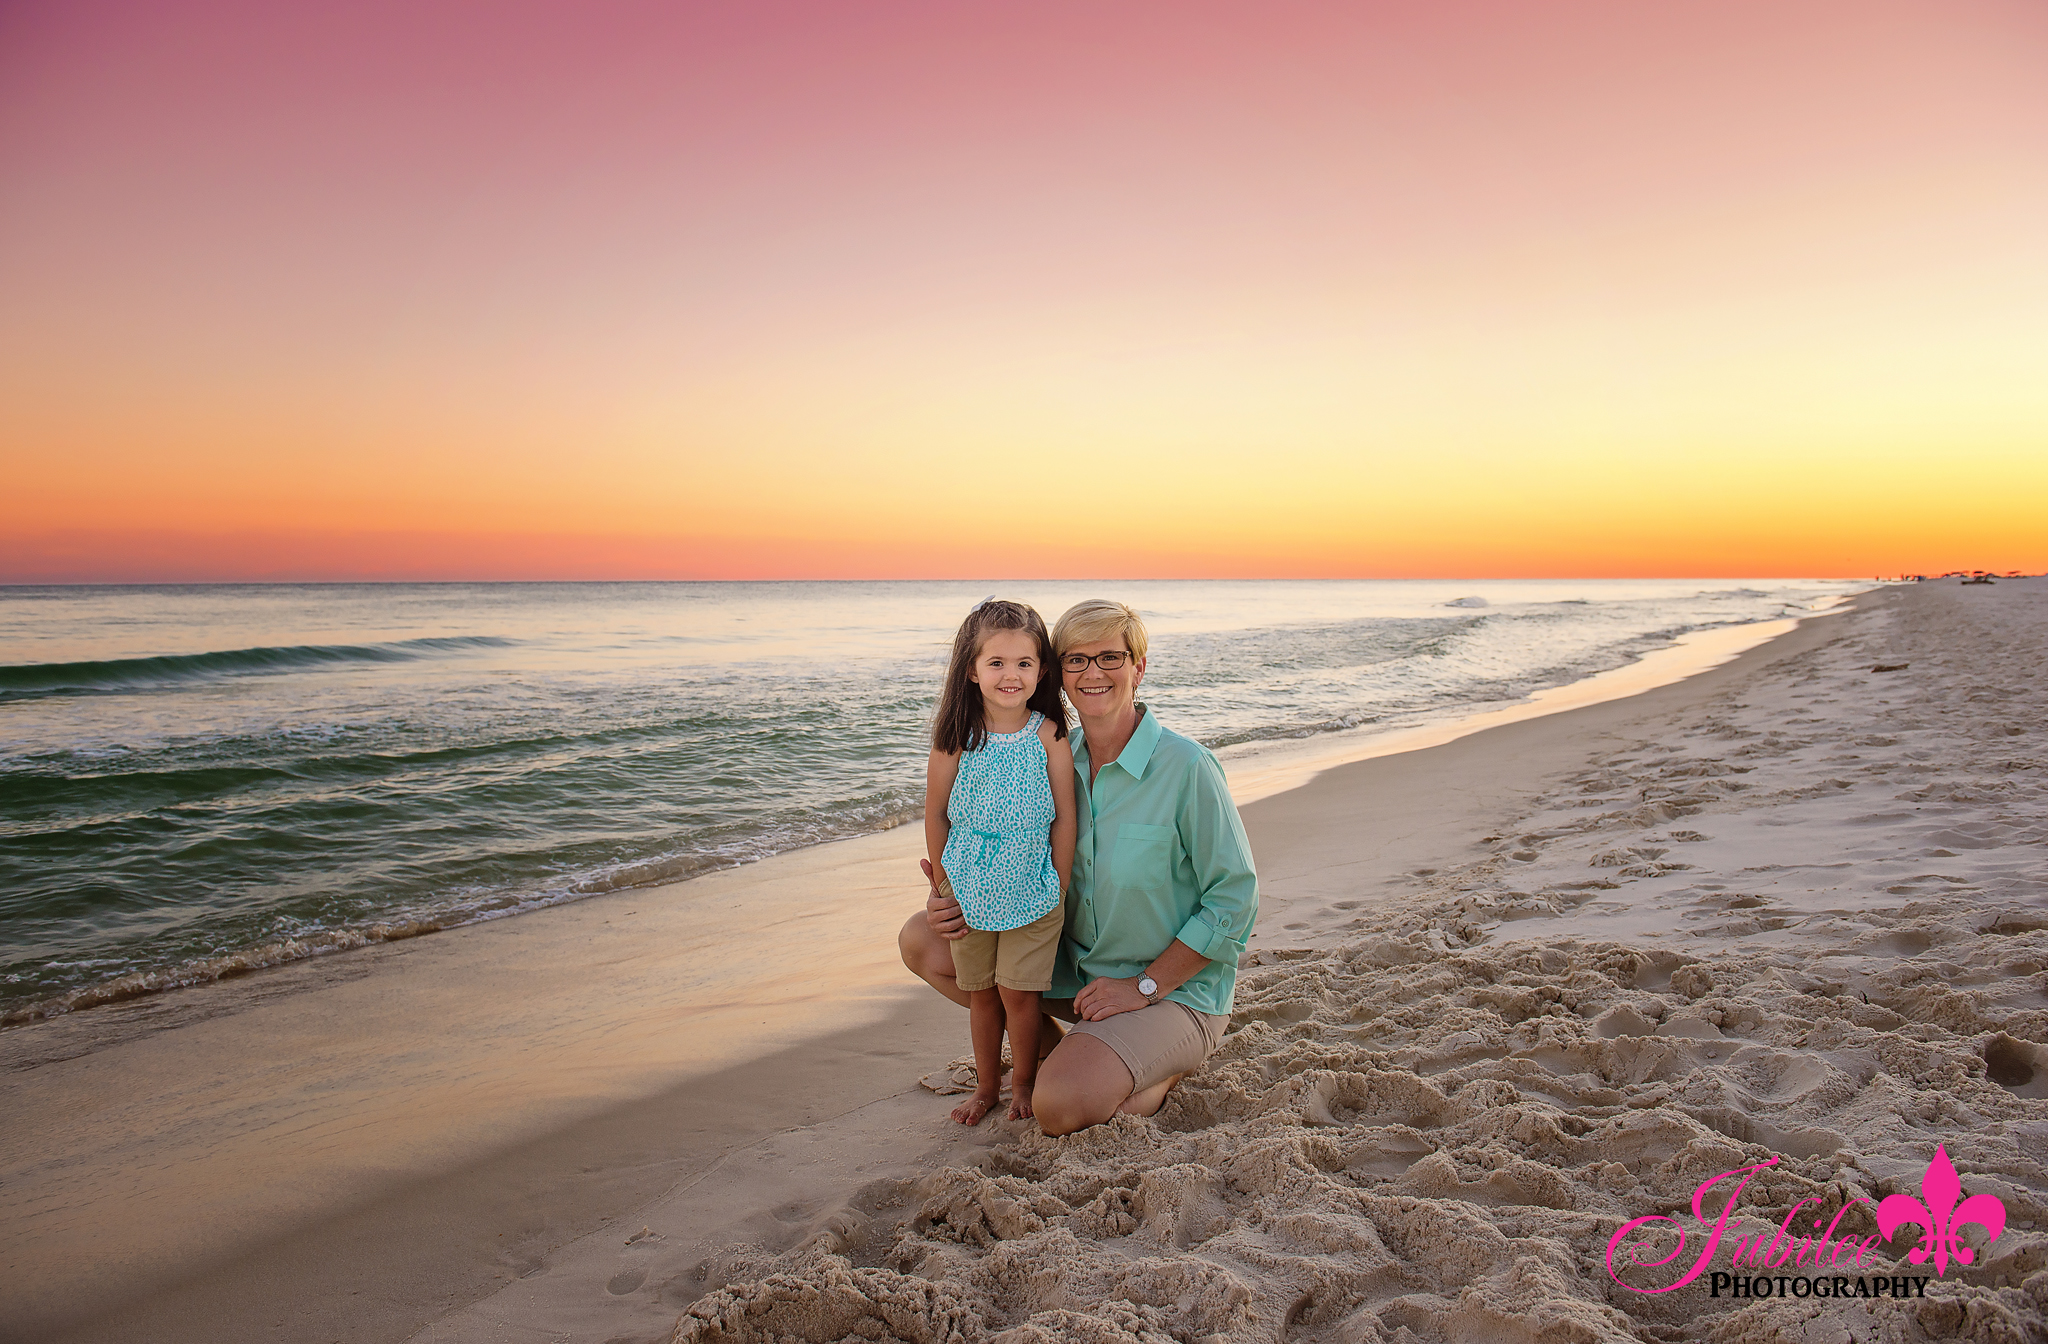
{"x":1511,"y":991}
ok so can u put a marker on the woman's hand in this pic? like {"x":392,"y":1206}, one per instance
{"x":1105,"y":997}
{"x":941,"y":912}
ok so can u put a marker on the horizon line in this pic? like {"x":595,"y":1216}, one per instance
{"x":1124,"y":578}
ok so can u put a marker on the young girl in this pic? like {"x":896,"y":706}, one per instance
{"x":999,"y":826}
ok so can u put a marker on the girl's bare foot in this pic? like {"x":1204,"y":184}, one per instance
{"x":973,"y":1110}
{"x":1020,"y":1101}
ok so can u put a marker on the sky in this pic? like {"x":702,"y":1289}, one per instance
{"x":625,"y":289}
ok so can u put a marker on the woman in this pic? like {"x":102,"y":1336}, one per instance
{"x":1164,"y":893}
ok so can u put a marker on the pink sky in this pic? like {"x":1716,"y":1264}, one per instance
{"x":316,"y":291}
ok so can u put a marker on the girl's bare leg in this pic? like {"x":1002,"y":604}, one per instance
{"x":985,"y":1023}
{"x":1020,"y":1010}
{"x":930,"y":958}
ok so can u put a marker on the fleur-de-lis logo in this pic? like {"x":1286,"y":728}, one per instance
{"x":1941,"y":1215}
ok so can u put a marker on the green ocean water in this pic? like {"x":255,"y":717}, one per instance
{"x":197,"y":780}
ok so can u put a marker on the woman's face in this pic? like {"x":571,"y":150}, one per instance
{"x":1095,"y":693}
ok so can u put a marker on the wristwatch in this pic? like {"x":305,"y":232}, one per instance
{"x":1149,"y":988}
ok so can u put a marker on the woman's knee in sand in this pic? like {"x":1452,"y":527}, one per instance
{"x":1081,"y":1083}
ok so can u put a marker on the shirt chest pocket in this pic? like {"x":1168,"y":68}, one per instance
{"x":1144,"y":857}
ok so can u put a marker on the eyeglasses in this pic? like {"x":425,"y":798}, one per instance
{"x":1109,"y":660}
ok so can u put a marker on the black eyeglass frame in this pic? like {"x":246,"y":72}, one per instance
{"x":1122,"y":656}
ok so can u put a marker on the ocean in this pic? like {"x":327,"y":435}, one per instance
{"x":200,"y":780}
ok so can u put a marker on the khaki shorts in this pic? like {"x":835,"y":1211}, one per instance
{"x":1155,"y":1043}
{"x":1019,"y":958}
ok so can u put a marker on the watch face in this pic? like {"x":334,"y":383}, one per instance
{"x":1148,"y":986}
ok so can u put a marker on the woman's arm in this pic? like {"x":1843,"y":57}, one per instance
{"x":1066,"y":824}
{"x":941,"y":768}
{"x":1212,"y":835}
{"x":1106,"y":997}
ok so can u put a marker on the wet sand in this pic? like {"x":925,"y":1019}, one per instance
{"x":576,"y":1123}
{"x":356,"y":1144}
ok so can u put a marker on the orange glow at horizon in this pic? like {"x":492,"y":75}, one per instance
{"x":795,"y":290}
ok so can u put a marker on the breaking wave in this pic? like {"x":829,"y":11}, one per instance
{"x":128,"y":674}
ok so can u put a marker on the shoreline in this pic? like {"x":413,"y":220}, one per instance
{"x":1257,"y":768}
{"x":1300,"y":910}
{"x":1262,"y":768}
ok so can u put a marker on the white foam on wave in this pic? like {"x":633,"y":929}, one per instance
{"x":1261,"y":769}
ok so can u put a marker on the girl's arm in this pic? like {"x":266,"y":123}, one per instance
{"x":1066,"y":825}
{"x":940,"y":770}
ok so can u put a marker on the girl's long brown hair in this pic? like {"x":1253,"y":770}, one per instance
{"x":958,"y":725}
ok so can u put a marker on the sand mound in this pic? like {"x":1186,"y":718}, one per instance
{"x":1397,"y":1145}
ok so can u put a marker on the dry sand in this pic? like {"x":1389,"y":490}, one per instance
{"x":1791,"y":909}
{"x":1512,"y":990}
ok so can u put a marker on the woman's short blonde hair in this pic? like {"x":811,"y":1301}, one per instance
{"x":1098,"y":620}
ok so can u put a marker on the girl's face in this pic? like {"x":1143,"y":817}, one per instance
{"x":1006,"y":668}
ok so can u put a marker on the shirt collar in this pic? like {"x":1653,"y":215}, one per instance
{"x":1137,"y":752}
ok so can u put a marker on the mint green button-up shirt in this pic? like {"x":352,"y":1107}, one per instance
{"x":1161,"y":854}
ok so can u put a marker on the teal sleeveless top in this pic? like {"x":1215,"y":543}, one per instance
{"x":999,"y":850}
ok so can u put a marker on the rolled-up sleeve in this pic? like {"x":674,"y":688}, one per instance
{"x":1212,"y":836}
